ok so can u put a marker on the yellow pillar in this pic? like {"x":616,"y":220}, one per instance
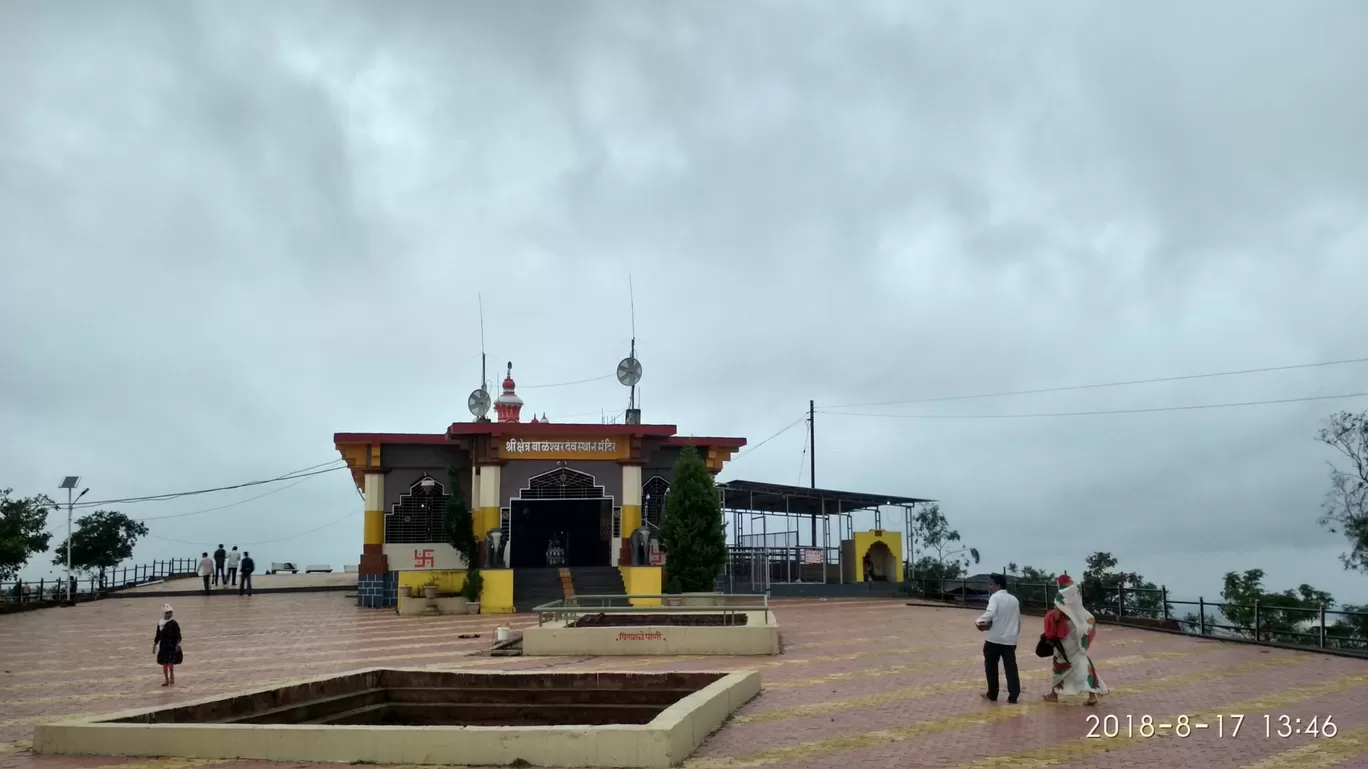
{"x":631,"y":499}
{"x":488,"y":517}
{"x":375,"y":510}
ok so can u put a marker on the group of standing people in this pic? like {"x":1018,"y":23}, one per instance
{"x":1069,"y":632}
{"x":225,"y":568}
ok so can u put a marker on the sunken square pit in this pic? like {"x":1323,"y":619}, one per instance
{"x":395,"y":716}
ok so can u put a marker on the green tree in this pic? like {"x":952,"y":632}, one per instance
{"x":1349,"y":630}
{"x":101,"y":541}
{"x":1034,"y":588}
{"x":1286,"y":617}
{"x":1111,"y":593}
{"x":943,"y":556}
{"x":1345,"y":508}
{"x":459,"y":527}
{"x":23,"y":530}
{"x":693,"y":535}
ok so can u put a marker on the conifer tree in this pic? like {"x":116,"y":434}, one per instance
{"x":693,"y":535}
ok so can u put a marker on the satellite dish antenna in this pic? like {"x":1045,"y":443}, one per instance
{"x":629,"y":371}
{"x":479,"y":403}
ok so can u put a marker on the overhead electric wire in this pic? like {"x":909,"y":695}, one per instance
{"x":567,"y":384}
{"x":1070,"y":388}
{"x":752,"y":449}
{"x":225,"y":507}
{"x":305,"y":473}
{"x":265,"y":541}
{"x":1195,"y":407}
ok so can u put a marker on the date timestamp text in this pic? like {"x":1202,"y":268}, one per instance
{"x":1229,"y":725}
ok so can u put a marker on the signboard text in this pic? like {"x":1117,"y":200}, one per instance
{"x":605,"y":446}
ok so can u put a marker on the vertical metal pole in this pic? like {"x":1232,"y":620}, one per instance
{"x":1163,"y":595}
{"x":764,"y":537}
{"x":812,"y":459}
{"x":840,"y":543}
{"x":826,"y":539}
{"x":70,"y":506}
{"x":1322,"y":626}
{"x":788,"y":564}
{"x":1201,"y":615}
{"x":1258,"y":636}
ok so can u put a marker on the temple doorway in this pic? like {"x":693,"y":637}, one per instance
{"x":880,"y":563}
{"x":562,"y":519}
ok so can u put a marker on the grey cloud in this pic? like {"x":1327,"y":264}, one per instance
{"x":235,"y":229}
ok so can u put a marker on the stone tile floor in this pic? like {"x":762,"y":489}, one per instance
{"x":868,"y":683}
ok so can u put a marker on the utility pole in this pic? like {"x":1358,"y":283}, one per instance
{"x":812,"y":459}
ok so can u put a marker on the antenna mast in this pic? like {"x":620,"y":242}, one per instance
{"x":478,"y":402}
{"x":631,"y":299}
{"x":484,"y":380}
{"x":629,"y":368}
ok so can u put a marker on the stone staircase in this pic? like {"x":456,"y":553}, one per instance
{"x":599,"y":580}
{"x":534,"y":587}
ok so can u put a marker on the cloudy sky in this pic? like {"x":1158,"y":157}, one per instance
{"x":230,"y":230}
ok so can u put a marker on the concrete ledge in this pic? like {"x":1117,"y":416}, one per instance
{"x":666,"y":741}
{"x":760,"y":635}
{"x":451,"y":604}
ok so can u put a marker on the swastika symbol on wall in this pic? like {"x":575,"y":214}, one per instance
{"x":424,"y":559}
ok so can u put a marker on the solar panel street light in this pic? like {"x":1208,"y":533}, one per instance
{"x":69,"y":483}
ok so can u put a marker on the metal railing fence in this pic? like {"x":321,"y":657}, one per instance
{"x":1275,"y":623}
{"x":86,"y":587}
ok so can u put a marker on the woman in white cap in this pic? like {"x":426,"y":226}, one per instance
{"x":167,"y":646}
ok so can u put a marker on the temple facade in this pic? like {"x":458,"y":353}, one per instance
{"x":545,"y":499}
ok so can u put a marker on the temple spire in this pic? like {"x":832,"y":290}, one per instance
{"x":509,"y":405}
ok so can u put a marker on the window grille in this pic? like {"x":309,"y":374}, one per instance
{"x":653,"y":494}
{"x":562,"y":483}
{"x":417,"y":516}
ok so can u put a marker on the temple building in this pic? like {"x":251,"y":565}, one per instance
{"x":556,"y":507}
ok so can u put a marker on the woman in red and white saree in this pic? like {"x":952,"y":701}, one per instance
{"x":1071,"y":628}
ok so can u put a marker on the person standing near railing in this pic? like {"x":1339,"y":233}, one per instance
{"x":206,"y":570}
{"x":248,"y":566}
{"x":234,"y":559}
{"x":220,"y":558}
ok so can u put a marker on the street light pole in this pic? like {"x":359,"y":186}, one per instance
{"x":69,"y":483}
{"x":71,"y":504}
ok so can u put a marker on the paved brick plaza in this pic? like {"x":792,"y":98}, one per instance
{"x":862,"y":683}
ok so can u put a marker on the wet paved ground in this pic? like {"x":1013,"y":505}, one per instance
{"x":862,"y":683}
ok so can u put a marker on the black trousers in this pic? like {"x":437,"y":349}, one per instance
{"x":992,"y":653}
{"x":246,"y":585}
{"x":206,"y":583}
{"x":232,"y":575}
{"x":219,"y":575}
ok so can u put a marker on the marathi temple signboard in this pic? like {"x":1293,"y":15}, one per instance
{"x":564,"y":448}
{"x":427,"y":556}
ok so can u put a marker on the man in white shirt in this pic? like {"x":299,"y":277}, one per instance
{"x":234,"y":558}
{"x":1002,"y":621}
{"x":206,"y":570}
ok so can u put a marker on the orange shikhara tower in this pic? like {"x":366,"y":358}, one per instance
{"x":509,"y":405}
